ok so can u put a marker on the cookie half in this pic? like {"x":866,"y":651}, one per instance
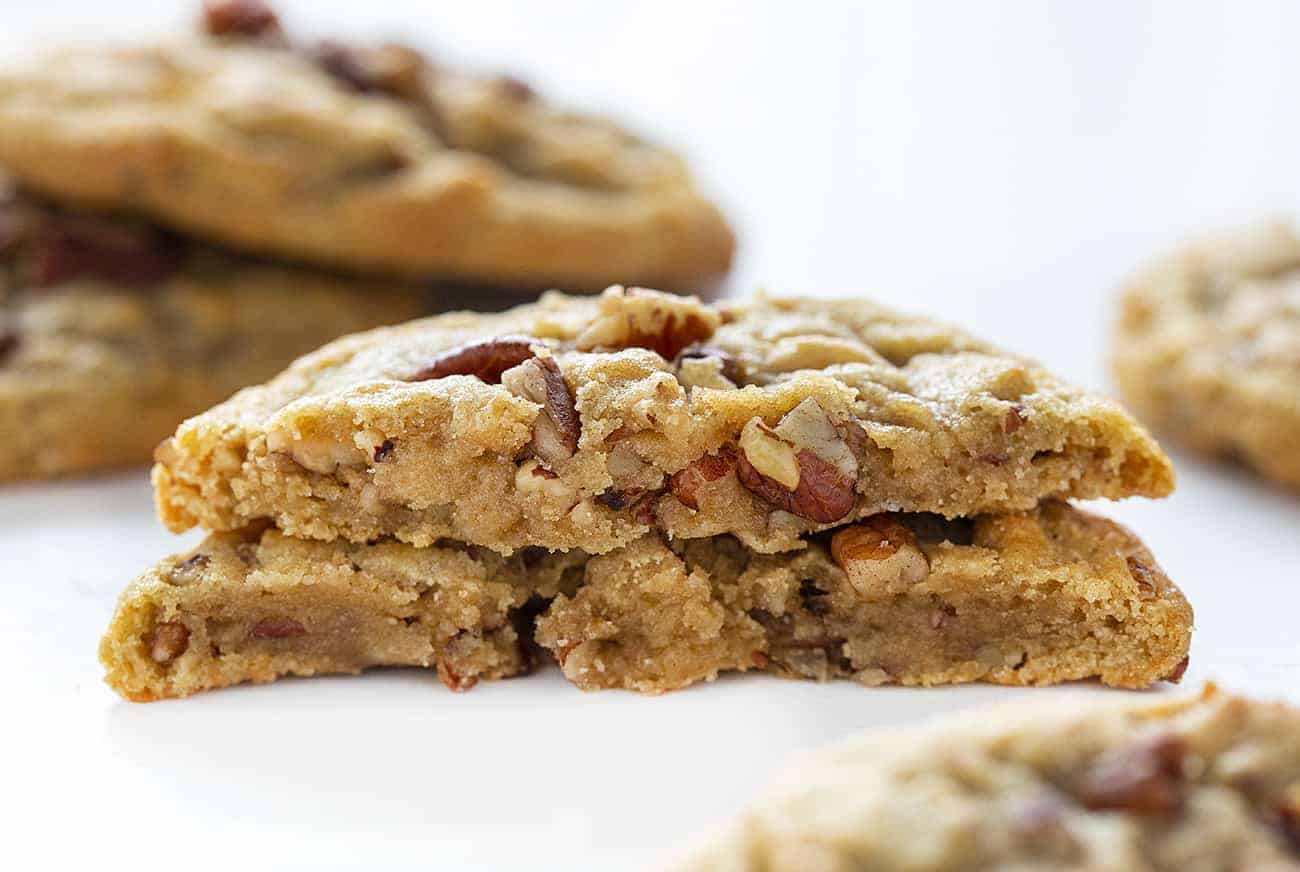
{"x":1207,"y":347}
{"x":363,"y":157}
{"x":1208,"y":782}
{"x":112,"y":332}
{"x":1025,"y":598}
{"x":587,"y":423}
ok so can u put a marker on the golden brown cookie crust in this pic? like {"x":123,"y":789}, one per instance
{"x":767,"y":419}
{"x":1207,"y":347}
{"x":255,"y":145}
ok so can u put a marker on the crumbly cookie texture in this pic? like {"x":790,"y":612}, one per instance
{"x":1026,"y":598}
{"x":252,"y":607}
{"x":1023,"y":598}
{"x":111,"y":333}
{"x":1208,"y":347}
{"x":586,"y":423}
{"x":364,"y":157}
{"x":1210,"y":782}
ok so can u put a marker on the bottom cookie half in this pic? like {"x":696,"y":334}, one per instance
{"x":1024,"y":598}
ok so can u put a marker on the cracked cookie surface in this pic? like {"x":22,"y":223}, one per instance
{"x":112,"y":332}
{"x":368,"y":157}
{"x":1024,"y":598}
{"x":1207,"y":347}
{"x":586,"y":423}
{"x":1200,"y":783}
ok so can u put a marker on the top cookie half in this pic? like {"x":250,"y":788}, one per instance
{"x":360,"y":157}
{"x":584,"y":423}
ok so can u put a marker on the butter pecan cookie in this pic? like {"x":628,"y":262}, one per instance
{"x":1023,"y":598}
{"x":366,"y":157}
{"x":1208,"y":347}
{"x":1209,"y":782}
{"x":112,"y":332}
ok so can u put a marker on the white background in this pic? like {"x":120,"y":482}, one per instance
{"x":1002,"y":166}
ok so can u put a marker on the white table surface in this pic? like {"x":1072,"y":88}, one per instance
{"x":1001,"y":166}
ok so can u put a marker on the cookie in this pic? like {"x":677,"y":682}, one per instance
{"x":586,"y":423}
{"x":1025,"y":598}
{"x":112,"y":332}
{"x":369,"y":158}
{"x":1207,"y":783}
{"x":1207,"y":347}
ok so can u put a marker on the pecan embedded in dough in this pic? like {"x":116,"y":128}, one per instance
{"x":278,"y":628}
{"x":710,"y":467}
{"x":9,"y":341}
{"x":640,"y":318}
{"x":823,"y":495}
{"x":557,"y":428}
{"x":487,"y":359}
{"x":1145,"y":779}
{"x":880,"y":555}
{"x":170,"y":639}
{"x":248,"y":18}
{"x":190,"y":570}
{"x":67,"y":247}
{"x":803,"y":466}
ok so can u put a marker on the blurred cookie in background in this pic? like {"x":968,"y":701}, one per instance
{"x":1206,"y":782}
{"x":363,"y":157}
{"x":1207,"y":348}
{"x":113,"y":331}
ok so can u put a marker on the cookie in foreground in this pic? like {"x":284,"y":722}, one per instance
{"x":1207,"y":347}
{"x":1209,"y":782}
{"x":365,"y":157}
{"x":1027,"y":598}
{"x":112,"y":332}
{"x":587,"y":423}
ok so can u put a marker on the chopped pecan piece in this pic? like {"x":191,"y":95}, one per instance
{"x":516,"y":88}
{"x":1145,"y":779}
{"x":557,"y":428}
{"x":878,"y":555}
{"x":399,"y":70}
{"x":486,"y":358}
{"x":278,"y":628}
{"x":803,"y":466}
{"x":647,"y":319}
{"x":822,"y":496}
{"x":384,"y":450}
{"x":249,"y":18}
{"x":710,"y":467}
{"x":1288,"y":816}
{"x":170,"y":639}
{"x":730,"y":366}
{"x":1014,"y":420}
{"x":9,"y":341}
{"x":613,"y":498}
{"x":392,"y":69}
{"x":190,"y":570}
{"x":1179,"y":671}
{"x":1144,"y":576}
{"x":344,"y":64}
{"x":70,"y":247}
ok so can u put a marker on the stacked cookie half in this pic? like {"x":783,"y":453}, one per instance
{"x":297,"y":160}
{"x":653,"y":491}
